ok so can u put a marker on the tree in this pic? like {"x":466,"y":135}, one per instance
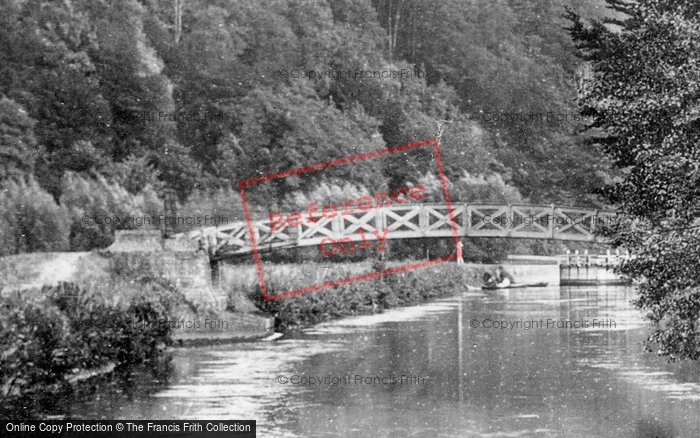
{"x":45,"y":68}
{"x":506,"y":59}
{"x":284,"y":128}
{"x":645,"y":102}
{"x":18,"y":148}
{"x":30,"y":219}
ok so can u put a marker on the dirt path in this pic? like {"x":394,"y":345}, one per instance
{"x":61,"y":268}
{"x":34,"y":270}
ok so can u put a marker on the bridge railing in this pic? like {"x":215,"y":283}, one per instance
{"x":585,"y":259}
{"x":535,"y":221}
{"x":578,"y":260}
{"x":411,"y":221}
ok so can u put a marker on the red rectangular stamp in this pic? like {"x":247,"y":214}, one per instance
{"x":337,"y":227}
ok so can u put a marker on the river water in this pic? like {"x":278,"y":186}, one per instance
{"x":462,"y":375}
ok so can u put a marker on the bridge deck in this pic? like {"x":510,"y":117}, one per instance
{"x":409,"y":222}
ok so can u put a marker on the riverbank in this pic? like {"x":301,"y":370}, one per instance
{"x":55,"y":337}
{"x":400,"y":289}
{"x":194,"y":322}
{"x":69,"y":318}
{"x":101,"y":314}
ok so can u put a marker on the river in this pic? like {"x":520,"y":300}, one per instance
{"x":443,"y":369}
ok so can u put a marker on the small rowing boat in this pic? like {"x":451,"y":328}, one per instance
{"x":514,"y":286}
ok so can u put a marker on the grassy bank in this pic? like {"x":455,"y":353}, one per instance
{"x":54,"y":337}
{"x":359,"y":298}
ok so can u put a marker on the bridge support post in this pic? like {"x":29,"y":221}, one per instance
{"x":215,"y":269}
{"x":379,"y":218}
{"x":550,"y":223}
{"x":423,"y":220}
{"x":337,"y":225}
{"x":170,"y":210}
{"x":509,"y":220}
{"x":594,"y":219}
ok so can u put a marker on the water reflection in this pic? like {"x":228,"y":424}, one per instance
{"x":127,"y":389}
{"x":476,"y":381}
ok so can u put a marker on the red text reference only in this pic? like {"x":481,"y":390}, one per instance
{"x":278,"y":221}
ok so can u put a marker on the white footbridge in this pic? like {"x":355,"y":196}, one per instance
{"x":407,"y":222}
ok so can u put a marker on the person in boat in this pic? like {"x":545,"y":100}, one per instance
{"x":500,"y":279}
{"x":489,"y":279}
{"x":503,"y":278}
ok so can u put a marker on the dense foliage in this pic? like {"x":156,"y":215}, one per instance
{"x":644,"y":99}
{"x":361,"y":297}
{"x":125,"y":91}
{"x":49,"y":338}
{"x":86,"y":216}
{"x":507,"y":60}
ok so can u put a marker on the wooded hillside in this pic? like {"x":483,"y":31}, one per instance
{"x":103,"y":102}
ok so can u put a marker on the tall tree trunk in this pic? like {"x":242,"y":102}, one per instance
{"x":389,"y":30}
{"x":178,"y":20}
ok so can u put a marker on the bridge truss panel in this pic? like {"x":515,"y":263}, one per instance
{"x":408,"y":222}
